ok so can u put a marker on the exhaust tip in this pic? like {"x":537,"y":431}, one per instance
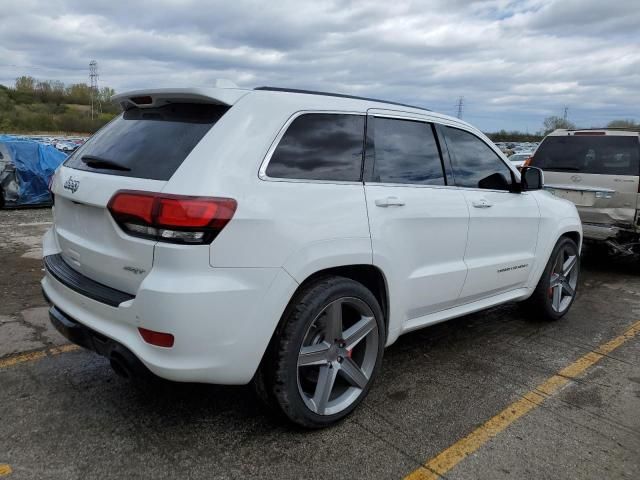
{"x":119,"y":366}
{"x":126,"y":364}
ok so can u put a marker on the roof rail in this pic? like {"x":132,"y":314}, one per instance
{"x":340,"y":95}
{"x":624,"y":129}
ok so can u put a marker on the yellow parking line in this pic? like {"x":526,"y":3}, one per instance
{"x":37,"y":355}
{"x":5,"y":469}
{"x":450,"y":457}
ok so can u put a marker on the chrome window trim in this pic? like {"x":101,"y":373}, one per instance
{"x":262,"y":172}
{"x":445,"y":187}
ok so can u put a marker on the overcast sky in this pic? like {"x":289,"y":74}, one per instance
{"x":514,"y":62}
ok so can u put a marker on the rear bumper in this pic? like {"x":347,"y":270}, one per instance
{"x":600,"y":233}
{"x":222,"y":319}
{"x":123,"y":360}
{"x":61,"y":271}
{"x":73,"y":331}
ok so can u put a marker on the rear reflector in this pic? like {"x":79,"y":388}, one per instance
{"x":171,"y":218}
{"x":158,"y":339}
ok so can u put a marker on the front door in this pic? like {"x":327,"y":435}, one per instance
{"x":503,"y":226}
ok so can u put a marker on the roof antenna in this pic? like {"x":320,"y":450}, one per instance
{"x":224,"y":83}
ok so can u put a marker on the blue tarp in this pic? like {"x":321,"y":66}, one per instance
{"x":34,"y":163}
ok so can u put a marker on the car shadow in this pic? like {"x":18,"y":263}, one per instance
{"x":225,"y":406}
{"x":160,"y":403}
{"x":600,"y":261}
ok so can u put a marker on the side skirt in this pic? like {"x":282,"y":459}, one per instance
{"x":465,"y":309}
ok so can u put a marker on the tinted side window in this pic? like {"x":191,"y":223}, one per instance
{"x":474,"y":163}
{"x":406,"y":152}
{"x":320,"y":146}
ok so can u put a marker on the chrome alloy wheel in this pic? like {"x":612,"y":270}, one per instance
{"x":564,"y":278}
{"x":338,"y":356}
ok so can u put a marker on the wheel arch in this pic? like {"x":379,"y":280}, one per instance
{"x":371,"y":276}
{"x":575,"y":236}
{"x":368,"y":275}
{"x":569,"y":228}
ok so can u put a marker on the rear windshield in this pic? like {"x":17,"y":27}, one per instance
{"x":147,"y":142}
{"x":606,"y":155}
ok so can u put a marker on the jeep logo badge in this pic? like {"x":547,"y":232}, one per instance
{"x":576,"y":178}
{"x":71,"y":184}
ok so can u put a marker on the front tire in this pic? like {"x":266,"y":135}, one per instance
{"x":557,"y":287}
{"x":325,"y":354}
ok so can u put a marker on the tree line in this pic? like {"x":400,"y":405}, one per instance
{"x":49,"y":105}
{"x":549,"y":125}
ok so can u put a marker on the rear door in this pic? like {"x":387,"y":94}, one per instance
{"x":418,"y":224}
{"x":503,"y":226}
{"x":139,"y":150}
{"x":596,"y":170}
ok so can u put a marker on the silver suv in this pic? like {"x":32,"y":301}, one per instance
{"x":598,"y":170}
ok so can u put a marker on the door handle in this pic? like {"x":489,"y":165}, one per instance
{"x":482,"y":203}
{"x":389,"y":202}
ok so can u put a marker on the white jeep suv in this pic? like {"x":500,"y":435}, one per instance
{"x":286,"y":237}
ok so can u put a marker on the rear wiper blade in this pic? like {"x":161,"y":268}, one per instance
{"x":103,"y":163}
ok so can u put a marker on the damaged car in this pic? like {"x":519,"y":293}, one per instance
{"x":599,"y":171}
{"x":26,"y":166}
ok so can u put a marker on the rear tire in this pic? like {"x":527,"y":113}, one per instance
{"x":558,"y":285}
{"x":325,"y":354}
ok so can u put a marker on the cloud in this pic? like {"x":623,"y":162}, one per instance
{"x":514,"y":62}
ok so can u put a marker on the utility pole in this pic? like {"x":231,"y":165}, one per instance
{"x":460,"y":105}
{"x":566,"y":113}
{"x":93,"y":87}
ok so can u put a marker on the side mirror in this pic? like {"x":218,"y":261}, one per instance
{"x":532,"y":178}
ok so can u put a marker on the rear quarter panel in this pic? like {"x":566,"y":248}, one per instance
{"x":301,"y":226}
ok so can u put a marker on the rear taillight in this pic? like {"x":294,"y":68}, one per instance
{"x":171,"y":218}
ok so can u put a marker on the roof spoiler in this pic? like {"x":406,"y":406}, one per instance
{"x":164,"y":96}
